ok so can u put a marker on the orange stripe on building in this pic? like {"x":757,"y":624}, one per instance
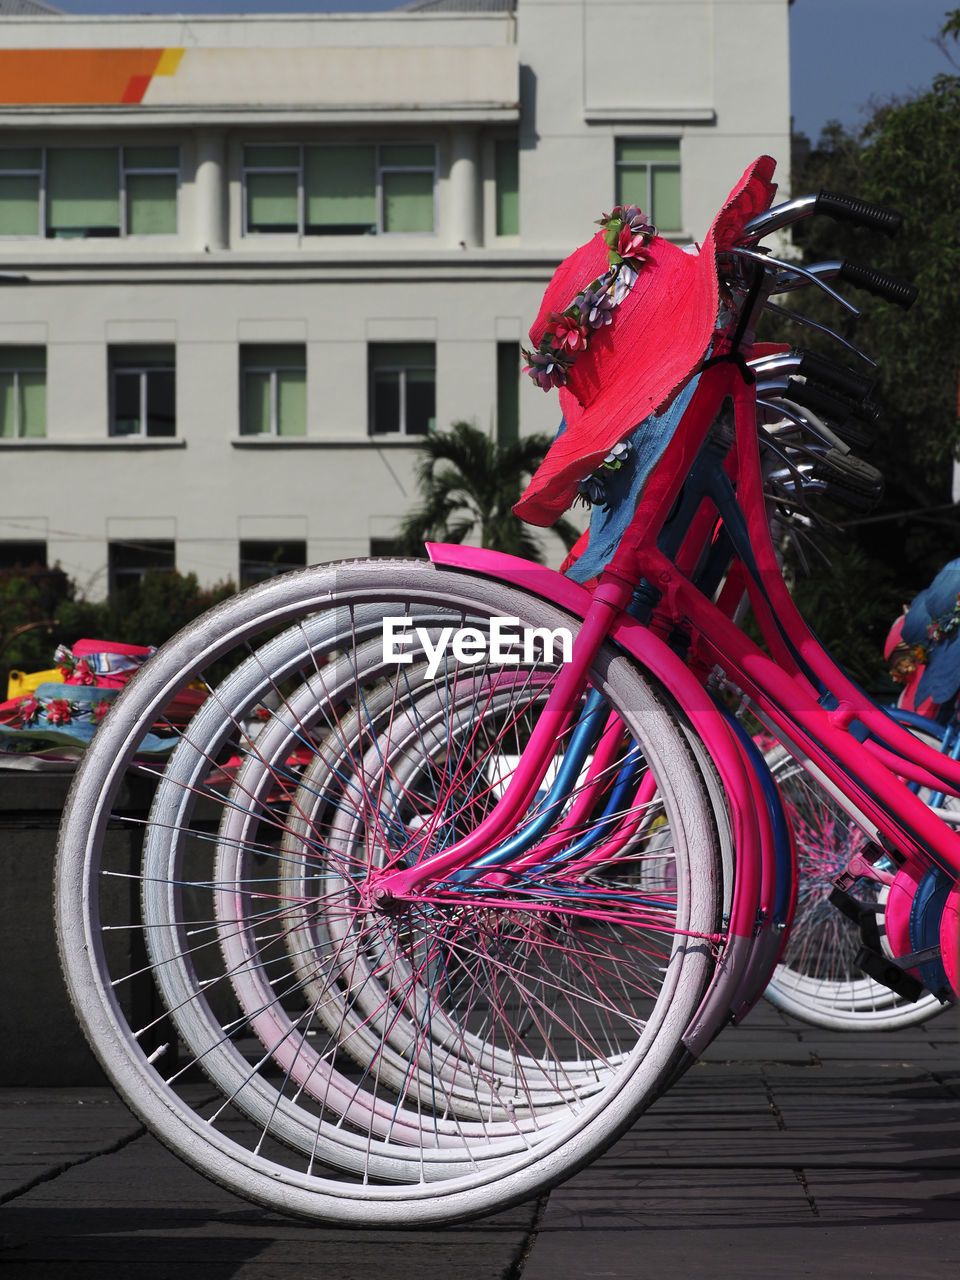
{"x":71,"y":77}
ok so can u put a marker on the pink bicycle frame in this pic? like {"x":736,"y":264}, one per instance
{"x":783,"y":686}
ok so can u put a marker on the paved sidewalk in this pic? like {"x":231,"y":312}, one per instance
{"x":788,"y":1152}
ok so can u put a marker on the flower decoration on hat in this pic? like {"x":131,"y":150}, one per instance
{"x":943,"y":628}
{"x":593,"y":489}
{"x":74,"y":670}
{"x":905,"y":661}
{"x":28,"y":710}
{"x":908,"y":657}
{"x":567,"y":335}
{"x":60,"y":711}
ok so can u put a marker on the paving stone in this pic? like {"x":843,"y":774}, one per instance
{"x":137,"y":1210}
{"x":787,"y":1151}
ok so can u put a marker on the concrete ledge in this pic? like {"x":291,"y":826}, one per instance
{"x":40,"y":1040}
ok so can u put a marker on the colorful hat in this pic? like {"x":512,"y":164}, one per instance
{"x":625,"y":321}
{"x":933,"y":622}
{"x":56,"y":720}
{"x":102,"y":662}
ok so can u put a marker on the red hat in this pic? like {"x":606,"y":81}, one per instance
{"x":647,"y":336}
{"x":894,"y":636}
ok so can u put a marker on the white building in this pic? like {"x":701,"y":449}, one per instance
{"x":247,"y":261}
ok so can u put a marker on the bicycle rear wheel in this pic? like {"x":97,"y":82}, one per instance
{"x":427,"y":1062}
{"x":818,"y":980}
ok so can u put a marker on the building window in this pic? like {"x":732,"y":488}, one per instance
{"x":403,"y":388}
{"x":150,"y":177}
{"x":507,"y":184}
{"x":406,"y":181}
{"x":21,"y":185}
{"x":648,"y":175}
{"x":508,"y":392}
{"x":69,"y":193}
{"x":22,"y":555}
{"x":273,"y":389}
{"x":339,"y":190}
{"x":82,"y":192}
{"x":272,"y":185}
{"x":262,"y":560}
{"x":385,"y":547}
{"x":130,"y":562}
{"x":143,"y":391}
{"x":23,"y":393}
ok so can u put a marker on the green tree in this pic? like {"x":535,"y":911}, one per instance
{"x":468,"y":485}
{"x":157,"y":607}
{"x":41,"y":609}
{"x":907,"y":157}
{"x":30,"y":603}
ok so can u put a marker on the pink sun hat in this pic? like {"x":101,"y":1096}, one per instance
{"x":626,"y":320}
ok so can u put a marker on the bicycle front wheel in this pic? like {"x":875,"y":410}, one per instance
{"x":423,"y":1061}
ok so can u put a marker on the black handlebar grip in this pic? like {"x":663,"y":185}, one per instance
{"x":879,"y":283}
{"x":832,"y":403}
{"x":862,"y":212}
{"x":849,"y":479}
{"x":820,"y":369}
{"x":855,"y":437}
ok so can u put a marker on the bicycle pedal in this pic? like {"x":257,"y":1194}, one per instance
{"x":889,"y":974}
{"x":865,"y":915}
{"x":848,"y":905}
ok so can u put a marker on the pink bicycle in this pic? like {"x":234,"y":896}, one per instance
{"x":461,"y":863}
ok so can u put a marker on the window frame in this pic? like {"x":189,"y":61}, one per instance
{"x":131,"y":170}
{"x":16,"y":371}
{"x":273,"y":370}
{"x":142,"y":370}
{"x":44,"y":232}
{"x":402,"y":369}
{"x":649,"y":166}
{"x":501,"y":193}
{"x":380,"y":168}
{"x":247,"y":169}
{"x":40,"y":172}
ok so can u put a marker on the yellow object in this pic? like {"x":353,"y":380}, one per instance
{"x":20,"y":682}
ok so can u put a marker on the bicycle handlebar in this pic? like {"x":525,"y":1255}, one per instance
{"x":808,"y":364}
{"x":850,"y":480}
{"x":860,"y":212}
{"x":878,"y":283}
{"x":836,"y":375}
{"x":870,"y":279}
{"x":841,"y":208}
{"x":838,"y":407}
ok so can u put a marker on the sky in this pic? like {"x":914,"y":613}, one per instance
{"x":845,"y":54}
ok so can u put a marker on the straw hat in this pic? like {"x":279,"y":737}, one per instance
{"x":625,"y":321}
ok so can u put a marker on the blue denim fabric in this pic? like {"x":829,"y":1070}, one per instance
{"x":609,"y":522}
{"x":941,"y":680}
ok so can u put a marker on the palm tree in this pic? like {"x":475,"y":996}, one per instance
{"x":469,"y":484}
